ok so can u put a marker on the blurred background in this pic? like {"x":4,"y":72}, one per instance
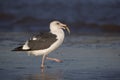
{"x":90,"y":52}
{"x":82,"y":16}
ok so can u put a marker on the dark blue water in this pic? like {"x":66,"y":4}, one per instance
{"x":80,"y":15}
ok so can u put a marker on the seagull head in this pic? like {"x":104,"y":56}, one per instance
{"x":55,"y":25}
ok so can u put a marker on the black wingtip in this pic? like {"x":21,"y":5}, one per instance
{"x":18,"y":49}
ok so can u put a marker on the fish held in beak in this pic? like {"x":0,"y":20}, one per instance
{"x":66,"y":27}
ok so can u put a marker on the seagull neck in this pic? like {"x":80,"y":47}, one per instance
{"x":59,"y":33}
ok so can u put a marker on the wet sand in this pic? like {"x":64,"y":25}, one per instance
{"x":84,"y":58}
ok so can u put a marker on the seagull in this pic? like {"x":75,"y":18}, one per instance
{"x":45,"y":43}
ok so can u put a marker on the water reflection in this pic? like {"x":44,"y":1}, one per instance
{"x":52,"y":75}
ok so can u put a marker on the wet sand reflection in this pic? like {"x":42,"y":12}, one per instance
{"x":55,"y":75}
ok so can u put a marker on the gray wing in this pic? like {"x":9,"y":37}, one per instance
{"x":42,"y":41}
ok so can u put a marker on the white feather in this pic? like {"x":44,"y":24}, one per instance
{"x":54,"y":29}
{"x":25,"y":46}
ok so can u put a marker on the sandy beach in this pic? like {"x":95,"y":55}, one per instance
{"x":84,"y":58}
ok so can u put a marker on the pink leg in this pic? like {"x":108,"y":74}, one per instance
{"x":54,"y":59}
{"x":43,"y":60}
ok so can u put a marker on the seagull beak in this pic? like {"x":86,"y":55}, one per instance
{"x":66,"y":27}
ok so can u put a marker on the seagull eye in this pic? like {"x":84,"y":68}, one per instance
{"x":57,"y":23}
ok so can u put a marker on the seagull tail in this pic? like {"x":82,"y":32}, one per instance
{"x":20,"y":48}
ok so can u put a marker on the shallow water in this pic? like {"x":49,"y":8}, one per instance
{"x":84,"y":57}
